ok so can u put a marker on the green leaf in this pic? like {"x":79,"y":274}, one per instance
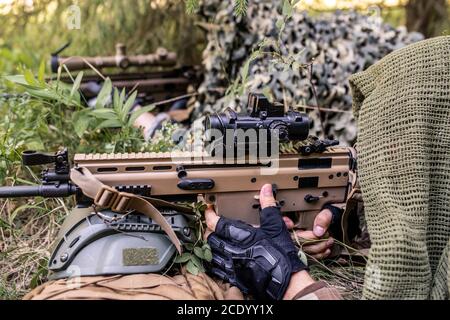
{"x":127,"y":106}
{"x":76,"y":84}
{"x":41,"y":73}
{"x":104,"y":113}
{"x":123,"y":94}
{"x":287,"y":8}
{"x":17,"y":79}
{"x":196,"y":261}
{"x":44,"y":94}
{"x":244,"y":71}
{"x":104,"y":95}
{"x":199,"y":252}
{"x":303,"y":258}
{"x":111,"y":123}
{"x":191,"y":6}
{"x":207,"y":254}
{"x":280,"y":24}
{"x":189,"y":246}
{"x":246,"y":67}
{"x":30,"y":79}
{"x":240,"y":7}
{"x":191,"y":268}
{"x":185,"y":257}
{"x":116,"y":99}
{"x":41,"y":272}
{"x":81,"y":123}
{"x":36,"y":144}
{"x":136,"y":114}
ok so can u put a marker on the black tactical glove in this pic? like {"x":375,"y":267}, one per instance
{"x":259,"y":261}
{"x":336,"y":224}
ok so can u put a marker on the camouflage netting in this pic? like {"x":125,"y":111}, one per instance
{"x":403,"y":109}
{"x":341,"y":44}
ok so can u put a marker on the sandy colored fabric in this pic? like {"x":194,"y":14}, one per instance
{"x":318,"y":291}
{"x":402,"y":105}
{"x":136,"y":287}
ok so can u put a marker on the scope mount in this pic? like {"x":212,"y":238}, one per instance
{"x":262,"y":108}
{"x":56,"y":175}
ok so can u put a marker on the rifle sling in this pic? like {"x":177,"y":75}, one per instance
{"x":107,"y":197}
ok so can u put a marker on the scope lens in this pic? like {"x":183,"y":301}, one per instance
{"x":217,"y":122}
{"x":212,"y":123}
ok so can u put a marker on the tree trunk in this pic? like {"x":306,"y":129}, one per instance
{"x":428,"y":17}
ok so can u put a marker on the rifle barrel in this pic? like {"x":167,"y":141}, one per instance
{"x":162,"y":58}
{"x":46,"y":191}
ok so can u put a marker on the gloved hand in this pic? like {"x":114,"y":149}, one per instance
{"x":259,"y":261}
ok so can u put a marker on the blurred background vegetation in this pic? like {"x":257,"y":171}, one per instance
{"x":32,"y":29}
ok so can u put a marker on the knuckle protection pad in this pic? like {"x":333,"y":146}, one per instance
{"x":261,"y":270}
{"x":238,"y":234}
{"x":236,"y":231}
{"x":259,"y":261}
{"x":265,"y":273}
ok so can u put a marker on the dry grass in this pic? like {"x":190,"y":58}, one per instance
{"x":344,"y":274}
{"x":27,"y":232}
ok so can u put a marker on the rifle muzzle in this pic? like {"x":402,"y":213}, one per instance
{"x":46,"y":191}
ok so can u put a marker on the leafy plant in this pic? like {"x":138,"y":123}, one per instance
{"x":108,"y":127}
{"x":240,"y":7}
{"x":41,"y":115}
{"x":192,"y":6}
{"x":199,"y":252}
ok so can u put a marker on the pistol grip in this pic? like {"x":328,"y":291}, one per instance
{"x":305,"y":220}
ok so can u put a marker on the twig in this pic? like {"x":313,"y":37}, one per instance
{"x":319,"y":110}
{"x":175,"y":99}
{"x":330,"y":110}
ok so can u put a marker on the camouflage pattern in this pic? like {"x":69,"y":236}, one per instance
{"x":340,"y":44}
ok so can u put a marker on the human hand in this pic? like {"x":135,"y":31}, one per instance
{"x":317,"y":242}
{"x":260,"y":260}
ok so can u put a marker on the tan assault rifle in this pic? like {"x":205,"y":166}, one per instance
{"x":304,"y":184}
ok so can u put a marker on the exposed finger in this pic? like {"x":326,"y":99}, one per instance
{"x":306,"y":235}
{"x":322,"y":223}
{"x":319,"y":247}
{"x":211,"y":218}
{"x":321,"y":256}
{"x":266,"y":198}
{"x":289,"y":223}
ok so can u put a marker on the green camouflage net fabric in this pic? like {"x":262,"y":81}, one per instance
{"x":402,"y":105}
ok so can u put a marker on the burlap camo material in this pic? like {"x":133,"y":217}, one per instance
{"x":136,"y":287}
{"x":402,"y":105}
